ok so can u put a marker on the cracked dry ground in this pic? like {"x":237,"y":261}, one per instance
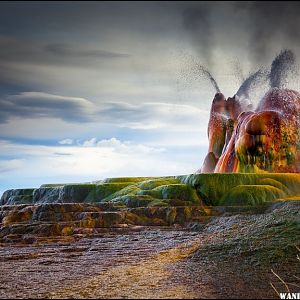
{"x":137,"y":263}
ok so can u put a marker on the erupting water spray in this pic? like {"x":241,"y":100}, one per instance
{"x":203,"y":71}
{"x":281,"y":66}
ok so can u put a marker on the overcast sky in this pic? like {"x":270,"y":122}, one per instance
{"x":95,"y":90}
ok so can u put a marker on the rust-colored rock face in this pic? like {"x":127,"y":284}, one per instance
{"x":223,"y":116}
{"x":217,"y":125}
{"x":266,"y":139}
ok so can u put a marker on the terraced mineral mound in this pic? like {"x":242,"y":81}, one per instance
{"x":56,"y":209}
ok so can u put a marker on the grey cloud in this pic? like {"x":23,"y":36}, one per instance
{"x":43,"y":105}
{"x":152,"y":115}
{"x":22,"y":50}
{"x":67,"y":50}
{"x":80,"y":110}
{"x":62,"y":154}
{"x":10,"y":165}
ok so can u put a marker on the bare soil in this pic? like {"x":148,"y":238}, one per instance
{"x":229,"y":258}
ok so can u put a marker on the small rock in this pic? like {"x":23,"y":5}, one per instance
{"x":195,"y":226}
{"x":28,"y":238}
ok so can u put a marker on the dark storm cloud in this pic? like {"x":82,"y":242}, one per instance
{"x":270,"y":23}
{"x":266,"y":25}
{"x":84,"y":19}
{"x":16,"y":49}
{"x":42,"y":105}
{"x":197,"y":20}
{"x":263,"y":23}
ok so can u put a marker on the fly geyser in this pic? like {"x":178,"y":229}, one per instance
{"x":262,"y":139}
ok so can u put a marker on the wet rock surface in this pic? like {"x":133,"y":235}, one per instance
{"x":91,"y":266}
{"x":58,"y":219}
{"x":229,"y":257}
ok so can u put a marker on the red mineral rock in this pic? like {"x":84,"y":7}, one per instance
{"x":267,"y":139}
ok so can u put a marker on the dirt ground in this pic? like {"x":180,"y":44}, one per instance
{"x":229,"y":258}
{"x":142,"y":263}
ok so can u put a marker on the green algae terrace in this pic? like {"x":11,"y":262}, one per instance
{"x":208,"y":189}
{"x":214,"y":188}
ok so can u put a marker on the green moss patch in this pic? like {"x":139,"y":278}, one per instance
{"x":17,"y":196}
{"x":53,"y":185}
{"x":102,"y":191}
{"x":133,"y":201}
{"x":158,"y":203}
{"x":130,"y":190}
{"x":252,"y":195}
{"x":275,"y":183}
{"x":127,"y":179}
{"x":140,"y":194}
{"x":153,"y":183}
{"x":212,"y":187}
{"x":178,"y":191}
{"x":76,"y":193}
